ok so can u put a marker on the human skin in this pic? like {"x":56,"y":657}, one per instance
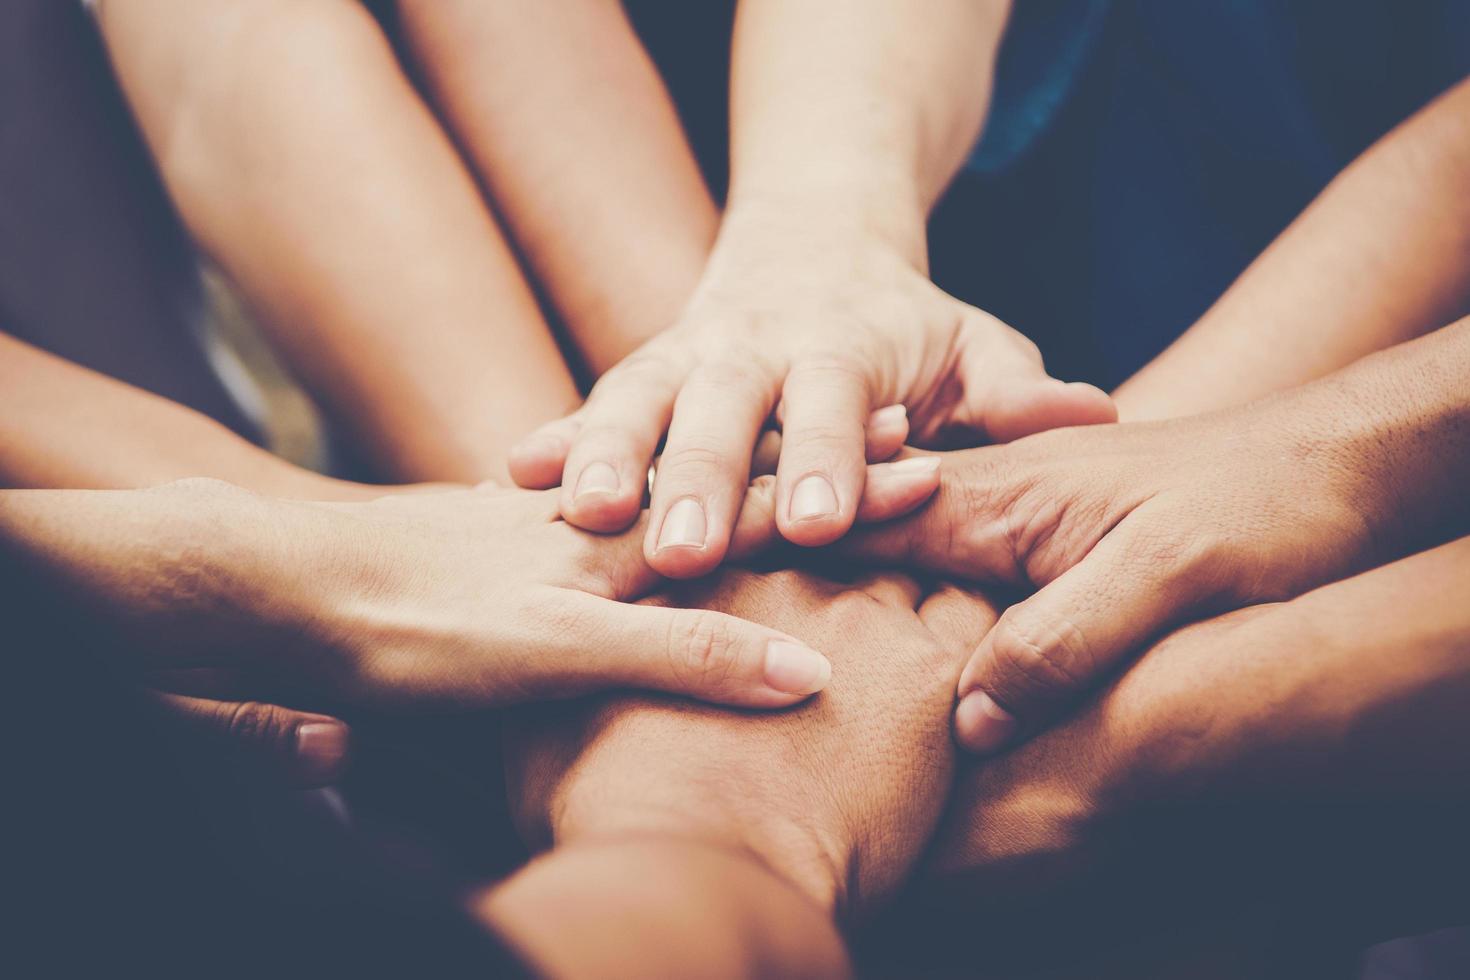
{"x":568,"y":125}
{"x":63,"y":425}
{"x":241,"y":607}
{"x":1317,"y":746}
{"x":305,"y":164}
{"x":1382,"y":256}
{"x":834,"y":800}
{"x":1132,"y":528}
{"x":815,"y":304}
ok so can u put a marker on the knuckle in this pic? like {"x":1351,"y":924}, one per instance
{"x":1043,"y":661}
{"x":691,"y":460}
{"x":600,"y":437}
{"x":251,"y":721}
{"x":830,"y":367}
{"x":702,"y":654}
{"x":733,"y":371}
{"x":639,"y":370}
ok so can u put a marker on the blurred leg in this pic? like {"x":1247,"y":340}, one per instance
{"x":304,"y":161}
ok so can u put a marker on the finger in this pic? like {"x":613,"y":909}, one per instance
{"x":887,"y":430}
{"x":961,"y":529}
{"x":536,"y":461}
{"x":893,"y":489}
{"x":695,"y":652}
{"x":705,"y":465}
{"x":622,"y":422}
{"x":1008,"y":393}
{"x":958,"y":617}
{"x":820,"y":478}
{"x":1023,"y":406}
{"x":766,"y":455}
{"x":890,"y":491}
{"x":1045,"y":651}
{"x":303,"y":749}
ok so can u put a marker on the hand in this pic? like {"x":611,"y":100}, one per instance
{"x":837,"y":796}
{"x":1129,"y":528}
{"x":1241,"y":731}
{"x":822,"y":328}
{"x":238,"y":605}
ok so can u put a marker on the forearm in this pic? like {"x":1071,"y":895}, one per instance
{"x":607,"y":202}
{"x":1382,"y":256}
{"x":66,"y":426}
{"x":304,"y":162}
{"x":1358,"y":687}
{"x":861,"y":110}
{"x":191,"y":562}
{"x":1399,"y":421}
{"x":661,"y":906}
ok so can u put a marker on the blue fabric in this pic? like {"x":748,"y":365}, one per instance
{"x":1142,"y":152}
{"x":1046,"y":46}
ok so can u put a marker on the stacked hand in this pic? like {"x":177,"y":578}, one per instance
{"x":1129,"y":529}
{"x":836,"y":334}
{"x":838,"y":795}
{"x":243,"y":609}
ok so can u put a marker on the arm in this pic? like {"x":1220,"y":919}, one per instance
{"x":304,"y":162}
{"x":664,"y":907}
{"x":848,"y":121}
{"x":1319,"y":746}
{"x":1130,"y":529}
{"x":1382,"y":256}
{"x":823,"y":809}
{"x":65,"y":426}
{"x":569,"y":126}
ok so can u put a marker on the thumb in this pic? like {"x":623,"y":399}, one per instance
{"x":696,"y":652}
{"x":1008,"y":393}
{"x":302,"y":749}
{"x":1045,"y":651}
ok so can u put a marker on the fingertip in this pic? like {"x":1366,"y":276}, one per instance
{"x":1047,"y":403}
{"x":894,"y":489}
{"x":319,"y":753}
{"x":536,"y":462}
{"x":1091,"y":404}
{"x":981,"y":725}
{"x":681,"y":543}
{"x":813,"y":515}
{"x":886,"y":432}
{"x":600,"y":498}
{"x":794,"y":669}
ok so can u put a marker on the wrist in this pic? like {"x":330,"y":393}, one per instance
{"x":849,"y":210}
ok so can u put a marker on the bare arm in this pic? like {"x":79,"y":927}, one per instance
{"x":665,"y":907}
{"x":569,"y":126}
{"x":62,"y":425}
{"x":848,"y":121}
{"x":860,"y":110}
{"x":303,"y":160}
{"x":1382,"y":256}
{"x":817,"y":812}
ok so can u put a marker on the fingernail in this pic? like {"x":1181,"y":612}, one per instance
{"x":321,"y":749}
{"x":915,"y":465}
{"x":596,"y":477}
{"x":683,"y":525}
{"x":981,"y":725}
{"x":886,"y":418}
{"x":813,"y":497}
{"x":794,"y":669}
